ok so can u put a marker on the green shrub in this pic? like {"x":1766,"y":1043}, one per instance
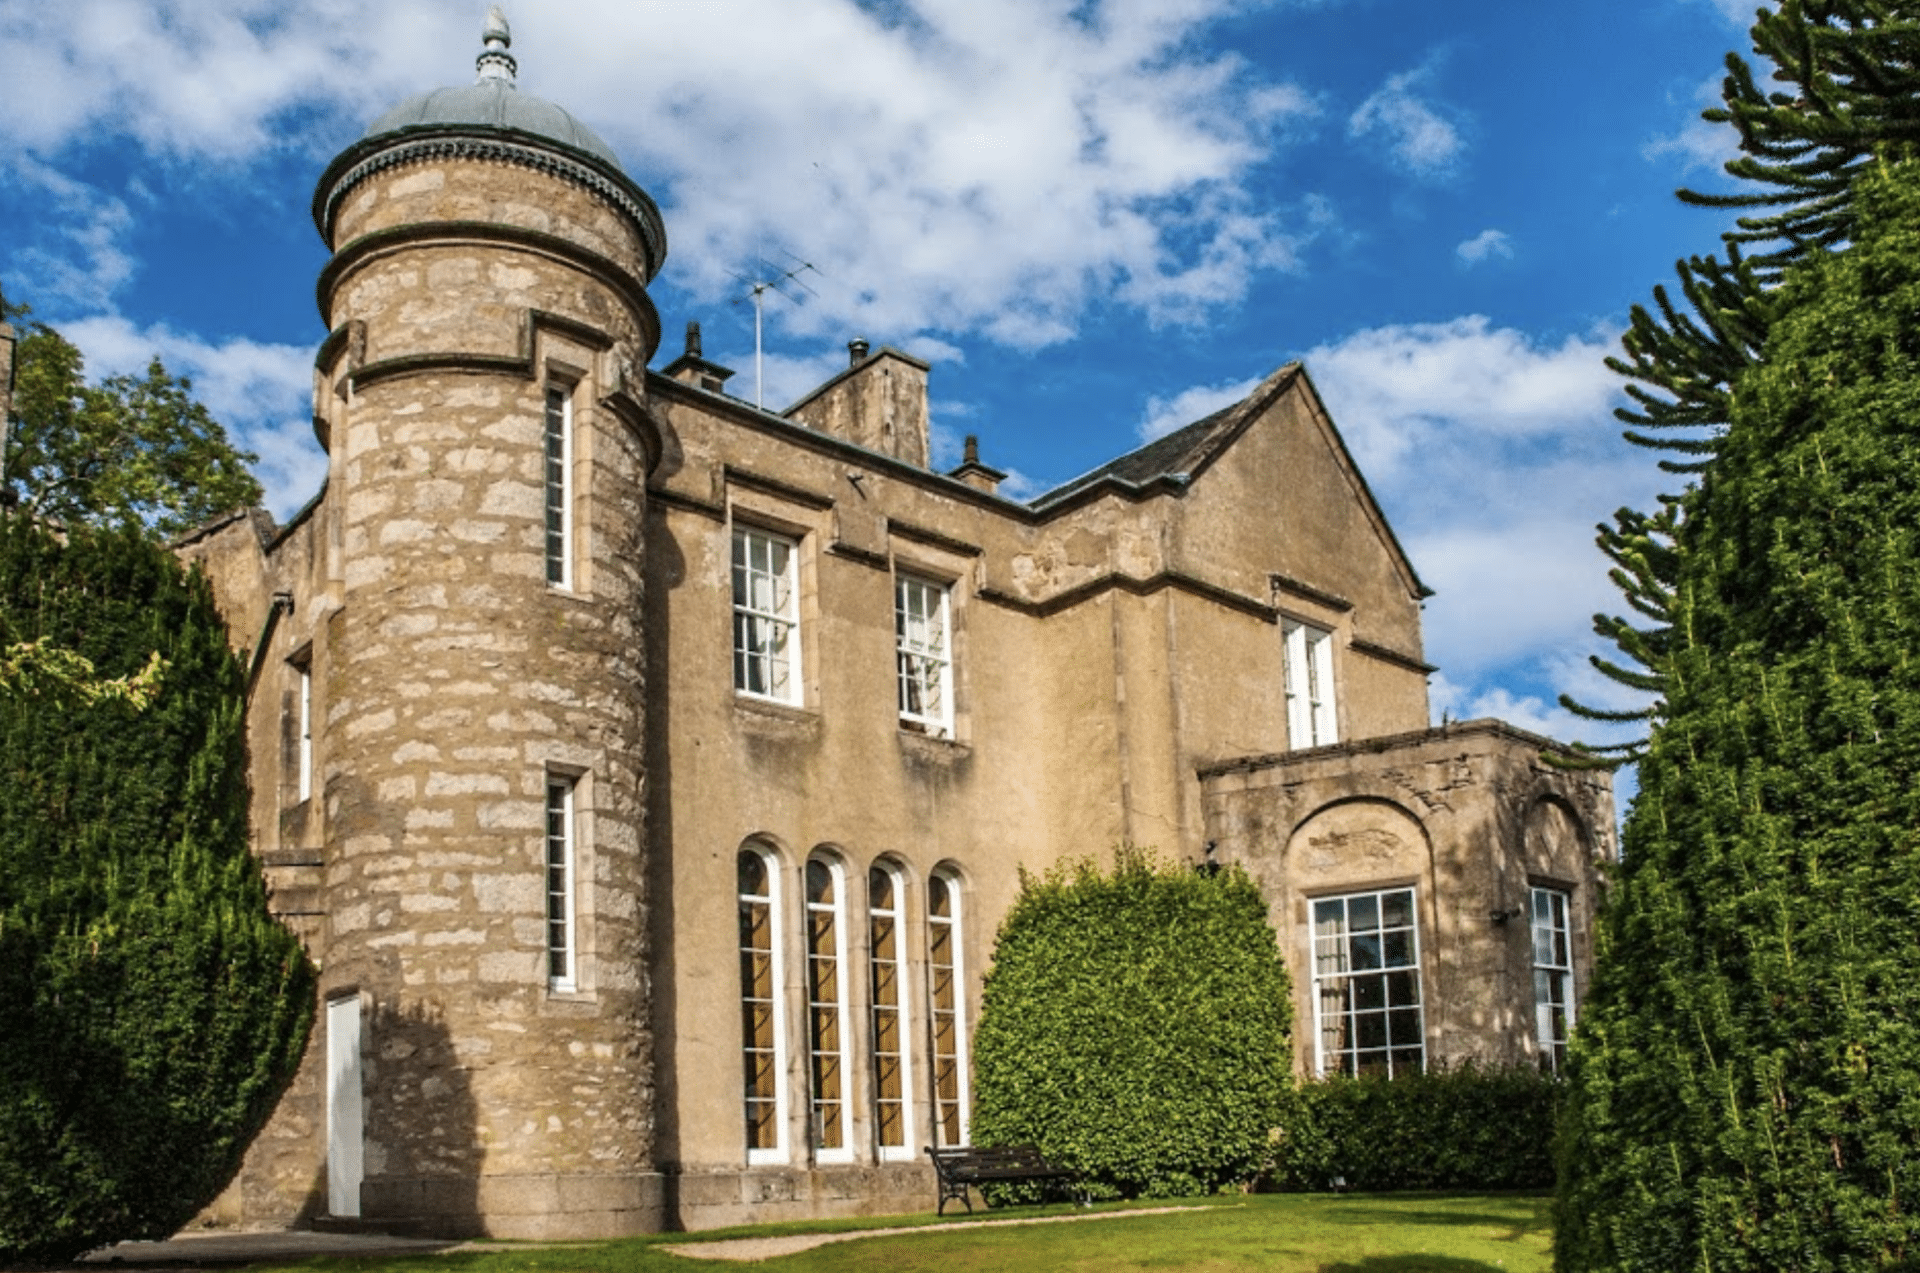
{"x":1465,"y":1128}
{"x":151,"y":1011}
{"x":1744,"y":1087}
{"x":1135,"y":1027}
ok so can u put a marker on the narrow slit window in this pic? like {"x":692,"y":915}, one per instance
{"x":892,"y":1112}
{"x":1366,"y":985}
{"x":947,"y":1011}
{"x":924,"y":655}
{"x":1552,"y":977}
{"x":763,"y":1056}
{"x":561,"y":953}
{"x":303,"y":759}
{"x":559,"y":484}
{"x":826,"y":1013}
{"x":766,"y":616}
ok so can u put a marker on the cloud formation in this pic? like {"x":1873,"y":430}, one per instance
{"x":1164,"y":415}
{"x":984,"y":169}
{"x":1484,"y":246}
{"x":1416,"y":134}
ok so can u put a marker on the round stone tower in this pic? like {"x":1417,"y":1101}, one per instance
{"x":479,"y":675}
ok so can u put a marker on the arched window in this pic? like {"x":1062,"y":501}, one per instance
{"x":947,"y":1004}
{"x":827,"y":1011}
{"x":892,"y":1062}
{"x":760,"y":1015}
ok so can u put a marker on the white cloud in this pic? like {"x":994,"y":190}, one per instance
{"x":1417,"y":135}
{"x":986,"y":168}
{"x":263,"y":394}
{"x":1697,"y":145}
{"x":77,"y":256}
{"x":1164,"y":415}
{"x":1485,"y":245}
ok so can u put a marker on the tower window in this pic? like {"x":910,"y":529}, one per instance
{"x":561,"y":951}
{"x":559,"y":484}
{"x":766,"y":616}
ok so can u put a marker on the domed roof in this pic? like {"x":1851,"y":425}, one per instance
{"x":493,"y":103}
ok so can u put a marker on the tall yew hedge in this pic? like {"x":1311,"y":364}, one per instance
{"x":1744,"y":1092}
{"x":1135,"y":1026}
{"x":151,"y":1011}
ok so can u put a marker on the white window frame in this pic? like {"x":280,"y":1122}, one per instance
{"x":556,"y":459}
{"x":770,"y":868}
{"x":1549,"y":919}
{"x":923,"y":658}
{"x":561,"y":875}
{"x":902,"y":1007}
{"x":956,"y":943}
{"x":1312,"y":719}
{"x":304,"y":762}
{"x":777,"y":653}
{"x":1344,"y":959}
{"x":836,"y":910}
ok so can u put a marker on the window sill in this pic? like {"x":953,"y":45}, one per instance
{"x":926,"y":749}
{"x":780,"y":721}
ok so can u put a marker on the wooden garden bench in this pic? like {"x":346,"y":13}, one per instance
{"x":962,"y":1166}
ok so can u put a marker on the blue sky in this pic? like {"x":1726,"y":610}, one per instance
{"x":1098,"y":220}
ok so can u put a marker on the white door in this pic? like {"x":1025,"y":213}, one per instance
{"x":344,"y":1112}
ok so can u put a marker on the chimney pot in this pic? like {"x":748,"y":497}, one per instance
{"x":693,"y":340}
{"x":857,"y":350}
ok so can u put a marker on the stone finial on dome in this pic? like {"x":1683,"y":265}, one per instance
{"x":494,"y":62}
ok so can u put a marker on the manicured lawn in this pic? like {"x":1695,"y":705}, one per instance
{"x":1291,"y":1233}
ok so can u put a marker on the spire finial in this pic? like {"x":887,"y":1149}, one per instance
{"x":494,"y":62}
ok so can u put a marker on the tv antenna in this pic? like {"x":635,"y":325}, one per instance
{"x":771,"y":278}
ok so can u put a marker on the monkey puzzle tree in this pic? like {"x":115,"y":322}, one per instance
{"x":1745,"y":1087}
{"x":151,"y":1010}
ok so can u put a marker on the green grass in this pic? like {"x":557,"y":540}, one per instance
{"x":1280,"y":1233}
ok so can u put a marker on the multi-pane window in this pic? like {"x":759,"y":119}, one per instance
{"x":826,"y":1013}
{"x":924,"y":645}
{"x":892,"y":1113}
{"x":1552,"y":976}
{"x":947,"y":1009}
{"x":559,"y":465}
{"x":1366,"y":984}
{"x":766,"y":616}
{"x":304,"y":756}
{"x":760,"y":1006}
{"x":1311,"y":720}
{"x":561,"y":953}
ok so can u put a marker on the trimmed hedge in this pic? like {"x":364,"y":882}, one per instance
{"x":1466,"y":1128}
{"x":151,"y":1010}
{"x":1136,"y":1027}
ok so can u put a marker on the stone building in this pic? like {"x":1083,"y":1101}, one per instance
{"x":648,"y":772}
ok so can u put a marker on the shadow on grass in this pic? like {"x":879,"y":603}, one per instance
{"x":1413,"y":1264}
{"x":1509,"y":1227}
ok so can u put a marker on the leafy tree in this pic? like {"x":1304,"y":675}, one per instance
{"x":151,"y":1010}
{"x":129,"y":450}
{"x":1136,"y":1027}
{"x":1849,"y":72}
{"x":1745,"y":1084}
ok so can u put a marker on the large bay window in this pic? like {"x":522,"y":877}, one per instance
{"x":1311,"y":719}
{"x":923,"y":641}
{"x":1552,"y":976}
{"x":766,"y":615}
{"x":1366,"y":984}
